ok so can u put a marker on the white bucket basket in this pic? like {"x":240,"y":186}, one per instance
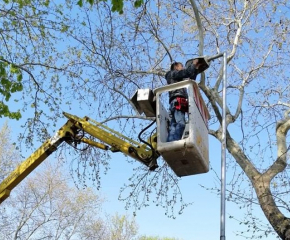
{"x":189,"y":155}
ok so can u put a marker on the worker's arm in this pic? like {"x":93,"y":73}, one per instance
{"x":190,"y":71}
{"x":177,"y":76}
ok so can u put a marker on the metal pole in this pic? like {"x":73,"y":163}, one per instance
{"x":215,"y":57}
{"x":223,"y":154}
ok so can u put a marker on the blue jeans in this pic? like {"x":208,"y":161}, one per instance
{"x":177,"y":123}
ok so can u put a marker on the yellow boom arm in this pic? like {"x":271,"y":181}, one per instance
{"x":70,"y":132}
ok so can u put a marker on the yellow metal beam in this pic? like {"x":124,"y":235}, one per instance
{"x":95,"y":144}
{"x":26,"y":167}
{"x":140,"y":152}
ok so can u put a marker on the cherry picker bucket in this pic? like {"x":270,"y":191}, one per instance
{"x":189,"y":155}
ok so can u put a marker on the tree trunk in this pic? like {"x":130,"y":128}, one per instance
{"x":279,"y":222}
{"x":261,"y":184}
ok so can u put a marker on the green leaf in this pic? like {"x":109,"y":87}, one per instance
{"x":7,"y":96}
{"x":5,"y":112}
{"x":15,"y":115}
{"x":19,"y":77}
{"x":117,"y":6}
{"x":14,"y":68}
{"x":4,"y":81}
{"x":64,"y":28}
{"x":80,"y":3}
{"x":2,"y":69}
{"x":46,"y":3}
{"x":16,"y":87}
{"x":138,"y":3}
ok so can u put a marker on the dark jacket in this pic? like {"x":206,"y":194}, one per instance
{"x":175,"y":76}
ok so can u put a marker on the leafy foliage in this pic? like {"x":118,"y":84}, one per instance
{"x":11,"y":82}
{"x":117,"y":5}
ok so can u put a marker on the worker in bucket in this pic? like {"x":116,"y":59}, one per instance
{"x":178,"y":98}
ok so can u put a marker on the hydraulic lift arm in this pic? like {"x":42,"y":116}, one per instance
{"x":73,"y":132}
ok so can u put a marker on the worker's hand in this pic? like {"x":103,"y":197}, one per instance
{"x":196,"y":63}
{"x":200,"y":64}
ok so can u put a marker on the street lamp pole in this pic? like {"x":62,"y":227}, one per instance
{"x":223,"y":153}
{"x":224,"y":142}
